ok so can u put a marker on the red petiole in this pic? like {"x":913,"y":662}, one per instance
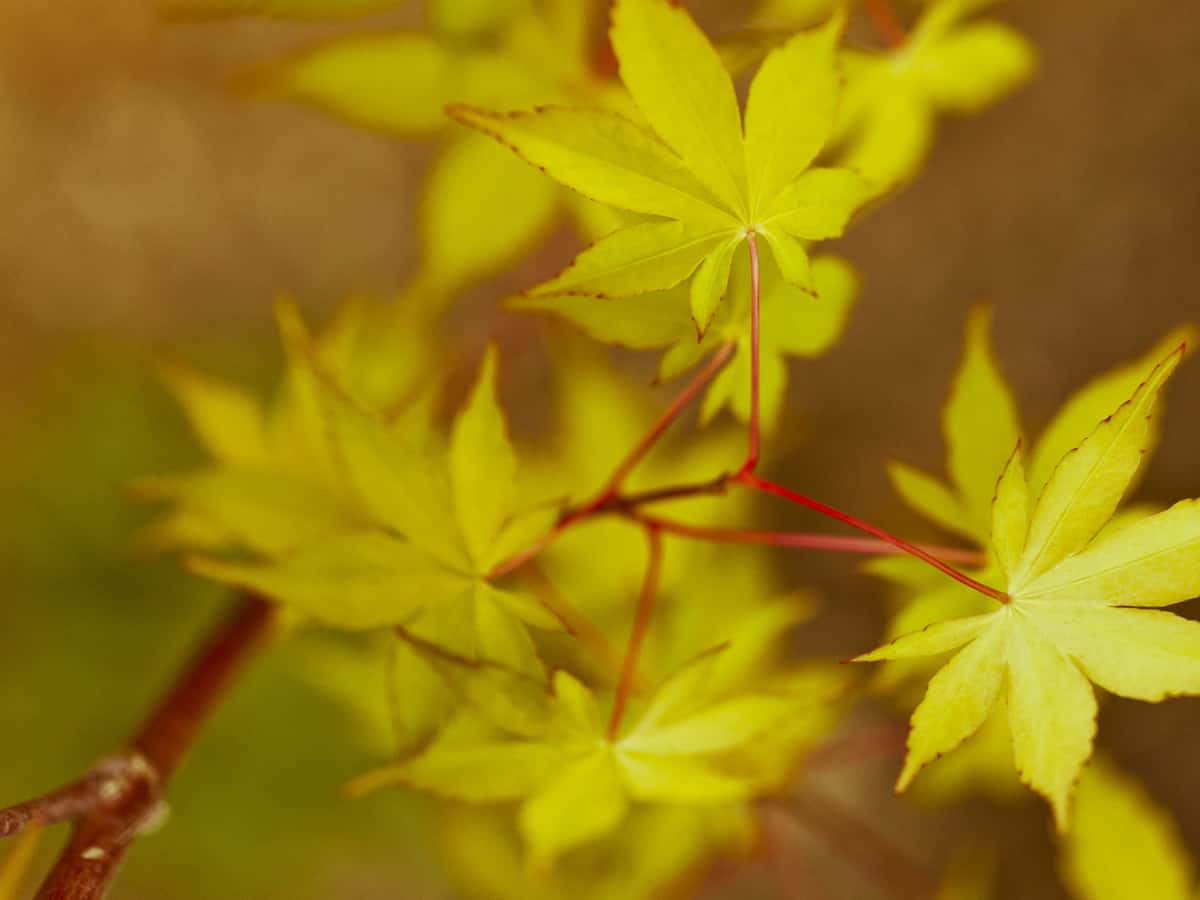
{"x":806,"y":540}
{"x":751,"y":462}
{"x":641,"y":624}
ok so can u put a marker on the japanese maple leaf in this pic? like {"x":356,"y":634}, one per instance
{"x":362,"y":529}
{"x":712,"y":734}
{"x":981,"y":422}
{"x":1076,"y":610}
{"x":273,"y":482}
{"x":708,"y":183}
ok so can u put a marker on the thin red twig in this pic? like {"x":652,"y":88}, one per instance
{"x":805,"y":540}
{"x":610,"y":497}
{"x":635,"y":456}
{"x":628,"y":502}
{"x":637,"y":635}
{"x":577,"y":624}
{"x":751,"y":462}
{"x":760,"y":484}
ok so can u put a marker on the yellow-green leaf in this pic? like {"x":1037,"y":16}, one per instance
{"x":482,"y":466}
{"x":681,"y":779}
{"x":678,"y":81}
{"x":1122,"y":844}
{"x":640,"y":322}
{"x":709,"y":285}
{"x":791,"y":256}
{"x":653,"y":256}
{"x":603,"y":156}
{"x":354,"y":581}
{"x":397,"y":82}
{"x":1139,"y":653}
{"x":501,"y":635}
{"x":1010,"y":514}
{"x":802,"y":326}
{"x":817,"y":205}
{"x":265,"y":511}
{"x":481,"y":208}
{"x":959,"y":699}
{"x":980,"y":423}
{"x":931,"y":498}
{"x":1085,"y":489}
{"x":477,"y":773}
{"x":975,"y":66}
{"x":724,"y":726}
{"x":1154,"y":561}
{"x":471,"y":18}
{"x":940,"y":637}
{"x":790,"y":110}
{"x":1052,"y":714}
{"x":226,"y":420}
{"x":1079,"y":415}
{"x":583,"y":802}
{"x":419,"y":699}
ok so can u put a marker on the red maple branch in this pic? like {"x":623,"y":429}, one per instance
{"x":121,"y":796}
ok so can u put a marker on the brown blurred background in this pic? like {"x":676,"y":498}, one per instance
{"x":144,"y":208}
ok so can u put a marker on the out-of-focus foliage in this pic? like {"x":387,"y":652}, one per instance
{"x":725,"y":727}
{"x":481,"y":208}
{"x":950,"y":63}
{"x":124,"y":624}
{"x":1123,"y":845}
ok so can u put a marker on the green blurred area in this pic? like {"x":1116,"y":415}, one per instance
{"x":92,"y":632}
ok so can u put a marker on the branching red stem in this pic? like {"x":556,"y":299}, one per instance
{"x":122,"y":796}
{"x":637,"y":635}
{"x":805,"y":540}
{"x":66,"y":803}
{"x":769,"y":487}
{"x":630,"y":462}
